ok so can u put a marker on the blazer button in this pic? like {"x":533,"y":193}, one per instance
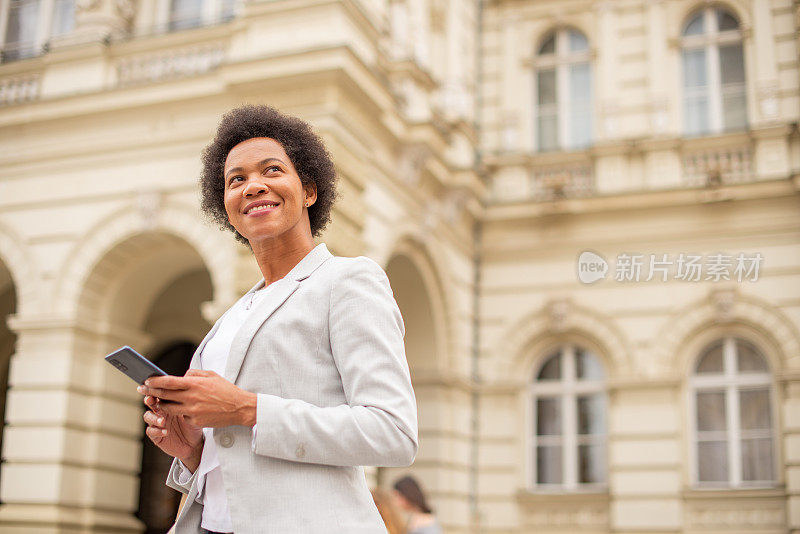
{"x":300,"y":452}
{"x":226,"y":440}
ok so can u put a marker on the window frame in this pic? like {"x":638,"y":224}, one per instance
{"x":211,"y":12}
{"x":710,"y":41}
{"x":44,"y":28}
{"x":731,"y":382}
{"x":567,"y":390}
{"x":560,"y":61}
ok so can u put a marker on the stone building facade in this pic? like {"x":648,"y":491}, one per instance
{"x":495,"y":156}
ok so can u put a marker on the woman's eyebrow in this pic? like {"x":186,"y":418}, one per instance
{"x":260,"y":164}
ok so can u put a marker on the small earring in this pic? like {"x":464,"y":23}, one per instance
{"x":306,"y":204}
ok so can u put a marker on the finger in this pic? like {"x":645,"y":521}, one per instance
{"x":200,"y":372}
{"x":172,"y":408}
{"x":155,"y":434}
{"x":164,"y":394}
{"x":167,"y":382}
{"x":154,"y":420}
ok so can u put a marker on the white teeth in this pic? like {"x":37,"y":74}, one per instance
{"x":261,"y":208}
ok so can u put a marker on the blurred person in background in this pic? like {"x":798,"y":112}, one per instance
{"x":419,"y":515}
{"x":388,"y":510}
{"x":304,"y":379}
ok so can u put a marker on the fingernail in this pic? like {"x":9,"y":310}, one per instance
{"x":160,"y":420}
{"x":140,"y":389}
{"x":147,"y":382}
{"x":163,"y":431}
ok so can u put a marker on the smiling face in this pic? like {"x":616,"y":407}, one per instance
{"x":264,"y":196}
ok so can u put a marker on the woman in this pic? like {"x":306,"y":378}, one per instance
{"x":304,"y":379}
{"x":419,"y":515}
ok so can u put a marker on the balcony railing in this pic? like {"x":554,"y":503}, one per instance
{"x":169,"y":64}
{"x":714,"y":166}
{"x":18,"y":89}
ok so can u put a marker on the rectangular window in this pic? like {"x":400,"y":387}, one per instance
{"x":20,"y":38}
{"x":63,"y":17}
{"x":580,"y":93}
{"x":185,"y":14}
{"x":547,"y":127}
{"x":695,"y":87}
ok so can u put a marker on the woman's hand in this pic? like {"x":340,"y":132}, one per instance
{"x":204,"y":398}
{"x":173,"y":434}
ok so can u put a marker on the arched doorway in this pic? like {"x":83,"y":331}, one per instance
{"x":147,"y":291}
{"x":416,"y":289}
{"x":8,"y":306}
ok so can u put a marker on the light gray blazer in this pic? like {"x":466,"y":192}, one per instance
{"x":325,"y":354}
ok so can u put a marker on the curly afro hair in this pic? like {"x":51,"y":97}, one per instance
{"x":304,"y":148}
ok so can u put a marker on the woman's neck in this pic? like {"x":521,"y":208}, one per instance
{"x":276,"y":259}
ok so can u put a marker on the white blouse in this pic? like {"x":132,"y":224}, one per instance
{"x":210,"y":488}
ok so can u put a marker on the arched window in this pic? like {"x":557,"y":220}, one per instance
{"x":714,"y":96}
{"x":563,"y":86}
{"x":731,"y":400}
{"x":568,"y":401}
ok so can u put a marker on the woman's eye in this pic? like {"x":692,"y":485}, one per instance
{"x":236,"y":178}
{"x":273,"y":167}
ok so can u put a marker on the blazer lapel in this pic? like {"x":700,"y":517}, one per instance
{"x":278,"y":295}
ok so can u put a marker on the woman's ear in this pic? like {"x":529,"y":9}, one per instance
{"x":311,"y":194}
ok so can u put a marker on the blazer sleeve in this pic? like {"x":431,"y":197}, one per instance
{"x":378,"y":425}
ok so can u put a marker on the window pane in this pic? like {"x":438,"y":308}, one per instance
{"x":185,"y":14}
{"x":546,"y":86}
{"x":712,"y":461}
{"x":577,"y":41}
{"x":548,"y":417}
{"x":548,"y":465}
{"x":711,"y":361}
{"x":695,"y":26}
{"x":591,"y":414}
{"x":757,"y":459}
{"x":580,"y":94}
{"x":228,"y":9}
{"x":589,"y":367}
{"x":63,"y":16}
{"x":547,"y":132}
{"x":754,"y":409}
{"x":726,"y":21}
{"x":734,"y":110}
{"x":696,"y":115}
{"x":22,"y":17}
{"x":549,"y":46}
{"x":591,"y":464}
{"x":694,"y":68}
{"x":731,"y":64}
{"x":711,"y":411}
{"x":551,"y":370}
{"x":748,"y":358}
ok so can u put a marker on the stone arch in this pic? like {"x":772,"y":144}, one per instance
{"x":681,"y":13}
{"x":20,"y":265}
{"x":537,"y":38}
{"x":528,"y":340}
{"x":726,"y":310}
{"x":418,"y":257}
{"x":217,"y":250}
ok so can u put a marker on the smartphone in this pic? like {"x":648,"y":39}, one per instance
{"x":134,"y":364}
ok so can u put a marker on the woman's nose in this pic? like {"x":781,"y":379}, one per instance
{"x":254,"y":188}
